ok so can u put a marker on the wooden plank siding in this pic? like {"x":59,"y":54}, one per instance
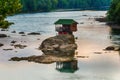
{"x":73,"y":27}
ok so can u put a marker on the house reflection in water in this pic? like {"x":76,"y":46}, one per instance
{"x":68,"y":66}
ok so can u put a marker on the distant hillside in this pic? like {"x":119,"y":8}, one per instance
{"x":48,"y":5}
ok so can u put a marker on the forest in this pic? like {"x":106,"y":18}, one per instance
{"x":48,"y":5}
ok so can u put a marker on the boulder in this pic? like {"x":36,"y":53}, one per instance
{"x":61,"y":45}
{"x":3,"y":35}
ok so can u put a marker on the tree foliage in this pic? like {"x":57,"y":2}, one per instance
{"x":8,"y":7}
{"x":47,"y":5}
{"x":114,"y":12}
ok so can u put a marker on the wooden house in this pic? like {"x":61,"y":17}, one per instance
{"x":66,"y":26}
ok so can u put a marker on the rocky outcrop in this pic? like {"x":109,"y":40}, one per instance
{"x":61,"y":45}
{"x":45,"y":59}
{"x":59,"y":48}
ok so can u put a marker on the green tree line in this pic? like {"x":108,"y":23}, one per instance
{"x":114,"y":12}
{"x":48,"y":5}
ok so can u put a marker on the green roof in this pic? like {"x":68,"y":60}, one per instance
{"x":65,"y":21}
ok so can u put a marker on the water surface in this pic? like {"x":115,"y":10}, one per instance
{"x":92,"y":37}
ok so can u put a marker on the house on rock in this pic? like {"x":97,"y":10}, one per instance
{"x":65,"y":26}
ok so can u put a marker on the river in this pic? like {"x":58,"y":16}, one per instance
{"x":92,"y":36}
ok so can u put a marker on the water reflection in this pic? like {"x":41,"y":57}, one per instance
{"x":68,"y":66}
{"x":115,"y":36}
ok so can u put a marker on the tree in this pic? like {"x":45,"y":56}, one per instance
{"x":114,"y":12}
{"x":8,"y":7}
{"x":48,"y":5}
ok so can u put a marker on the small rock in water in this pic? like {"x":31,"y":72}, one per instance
{"x":23,"y":35}
{"x":7,"y":49}
{"x":38,"y":39}
{"x":20,"y":46}
{"x":21,"y":32}
{"x":110,"y":48}
{"x":84,"y":15}
{"x":3,"y":35}
{"x":1,"y":44}
{"x":82,"y":56}
{"x":13,"y":32}
{"x":4,"y":30}
{"x":97,"y":52}
{"x":13,"y":42}
{"x":33,"y":33}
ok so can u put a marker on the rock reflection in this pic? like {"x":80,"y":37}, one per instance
{"x":115,"y":36}
{"x":68,"y":66}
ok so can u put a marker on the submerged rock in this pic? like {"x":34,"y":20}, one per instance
{"x":19,"y":46}
{"x":13,"y":42}
{"x":13,"y":32}
{"x":102,"y":19}
{"x":3,"y":35}
{"x":1,"y":44}
{"x":21,"y":32}
{"x":4,"y":30}
{"x":8,"y":49}
{"x":45,"y":59}
{"x":110,"y":48}
{"x":33,"y":33}
{"x":61,"y":45}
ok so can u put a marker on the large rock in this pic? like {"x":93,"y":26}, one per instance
{"x":60,"y":48}
{"x":61,"y":45}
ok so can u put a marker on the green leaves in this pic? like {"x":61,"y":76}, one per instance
{"x":114,"y":12}
{"x":8,"y":7}
{"x":48,"y":5}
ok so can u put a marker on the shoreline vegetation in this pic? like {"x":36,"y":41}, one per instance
{"x":49,"y":5}
{"x":112,"y":24}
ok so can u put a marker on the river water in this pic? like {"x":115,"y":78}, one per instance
{"x":92,"y":36}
